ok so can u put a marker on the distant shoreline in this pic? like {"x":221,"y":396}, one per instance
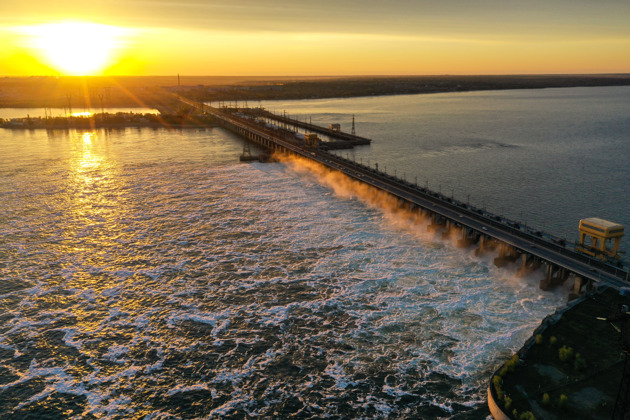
{"x":110,"y":121}
{"x":386,"y":86}
{"x":155,"y":92}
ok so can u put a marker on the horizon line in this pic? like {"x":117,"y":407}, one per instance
{"x":320,"y":75}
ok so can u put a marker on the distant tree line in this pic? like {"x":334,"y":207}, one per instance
{"x":378,"y":86}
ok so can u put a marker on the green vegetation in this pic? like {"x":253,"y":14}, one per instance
{"x":119,"y":119}
{"x":579,"y":363}
{"x":119,"y":91}
{"x":401,"y":85}
{"x":546,"y":400}
{"x":528,"y":415}
{"x":509,"y":366}
{"x":498,"y":389}
{"x":563,"y":401}
{"x":497,"y":380}
{"x":512,"y":363}
{"x":566,"y":354}
{"x":571,"y":369}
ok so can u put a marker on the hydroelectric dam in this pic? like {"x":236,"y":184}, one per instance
{"x":513,"y":241}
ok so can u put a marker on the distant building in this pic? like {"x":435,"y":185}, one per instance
{"x":311,"y":140}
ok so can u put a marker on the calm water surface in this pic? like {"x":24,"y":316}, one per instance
{"x":147,"y":274}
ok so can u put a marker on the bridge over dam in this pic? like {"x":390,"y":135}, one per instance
{"x":514,"y":242}
{"x":352,"y":139}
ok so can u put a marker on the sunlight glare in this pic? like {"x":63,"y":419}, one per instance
{"x":87,"y":138}
{"x":76,"y":48}
{"x":82,"y":114}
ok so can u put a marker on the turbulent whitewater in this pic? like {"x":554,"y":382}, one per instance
{"x":146,"y":274}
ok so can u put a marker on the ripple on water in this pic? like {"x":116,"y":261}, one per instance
{"x":182,"y":290}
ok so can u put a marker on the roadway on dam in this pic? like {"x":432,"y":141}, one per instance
{"x":556,"y":254}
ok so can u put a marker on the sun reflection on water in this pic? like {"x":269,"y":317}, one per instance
{"x":88,"y":162}
{"x":96,"y":208}
{"x":87,"y":137}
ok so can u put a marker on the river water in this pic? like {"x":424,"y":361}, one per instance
{"x":145,"y":273}
{"x":545,"y":157}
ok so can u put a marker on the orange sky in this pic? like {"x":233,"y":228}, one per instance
{"x":271,"y":37}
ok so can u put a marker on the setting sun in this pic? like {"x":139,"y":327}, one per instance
{"x":76,"y":48}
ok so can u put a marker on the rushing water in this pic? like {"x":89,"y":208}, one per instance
{"x":147,"y":274}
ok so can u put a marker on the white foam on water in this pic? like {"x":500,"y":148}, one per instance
{"x":219,"y":321}
{"x":69,"y":337}
{"x":446,"y":406}
{"x":337,"y":372}
{"x":113,"y":407}
{"x":234,"y":404}
{"x":470,"y":349}
{"x":58,"y":381}
{"x":235,"y":376}
{"x":114,"y":352}
{"x":188,"y":388}
{"x":268,"y":261}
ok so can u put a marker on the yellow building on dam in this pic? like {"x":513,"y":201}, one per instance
{"x":601,"y":232}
